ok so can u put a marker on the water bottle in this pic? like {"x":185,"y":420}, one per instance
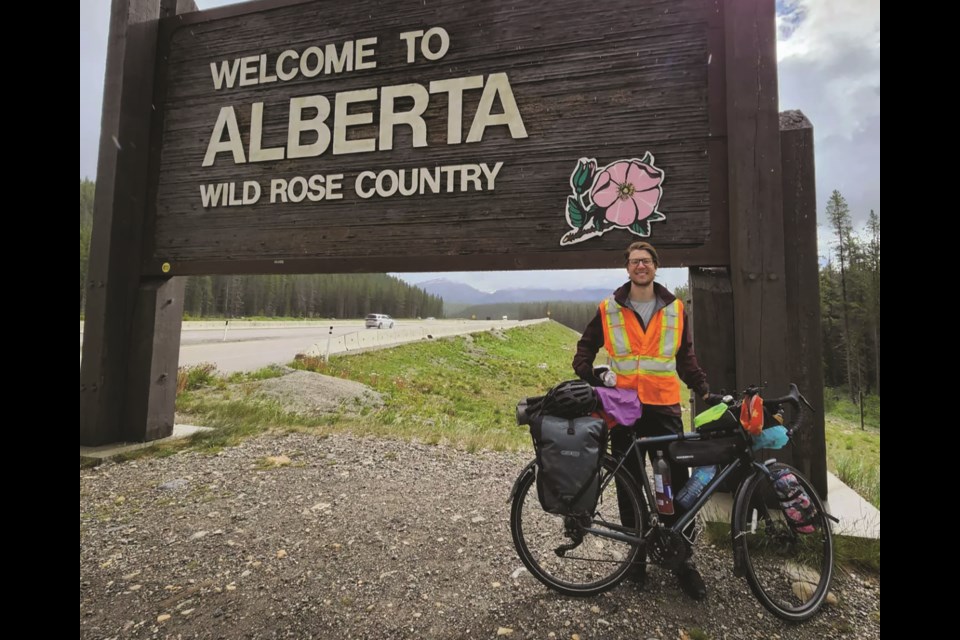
{"x":661,"y":479}
{"x":695,"y":485}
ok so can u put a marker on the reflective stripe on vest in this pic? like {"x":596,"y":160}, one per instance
{"x":613,"y":313}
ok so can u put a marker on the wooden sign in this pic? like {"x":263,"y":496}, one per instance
{"x":371,"y":136}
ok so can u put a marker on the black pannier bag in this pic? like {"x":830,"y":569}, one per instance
{"x":569,"y":453}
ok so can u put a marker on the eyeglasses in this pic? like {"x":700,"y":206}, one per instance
{"x":633,"y":262}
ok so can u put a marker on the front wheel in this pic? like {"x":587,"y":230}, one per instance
{"x":788,"y":571}
{"x":559,"y":553}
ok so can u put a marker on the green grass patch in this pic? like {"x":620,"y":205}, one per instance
{"x":197,"y":376}
{"x":838,"y":404}
{"x":461,"y":390}
{"x":861,"y":553}
{"x":854,"y":456}
{"x":264,"y":373}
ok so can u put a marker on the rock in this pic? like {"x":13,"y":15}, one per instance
{"x":803,"y":590}
{"x":798,"y":572}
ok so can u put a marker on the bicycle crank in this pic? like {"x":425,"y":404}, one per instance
{"x":667,"y":548}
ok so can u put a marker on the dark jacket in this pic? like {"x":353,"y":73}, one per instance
{"x":591,"y":342}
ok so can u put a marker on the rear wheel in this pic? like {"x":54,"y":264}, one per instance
{"x":788,"y":571}
{"x":559,"y":553}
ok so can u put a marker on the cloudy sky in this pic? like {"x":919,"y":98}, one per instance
{"x":829,"y":55}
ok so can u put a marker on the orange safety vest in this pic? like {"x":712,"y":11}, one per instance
{"x":644,"y":360}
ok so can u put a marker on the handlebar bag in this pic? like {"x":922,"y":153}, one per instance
{"x":717,"y":422}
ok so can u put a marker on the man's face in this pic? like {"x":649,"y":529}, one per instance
{"x":640,"y":267}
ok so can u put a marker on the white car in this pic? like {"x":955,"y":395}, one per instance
{"x":379,"y":321}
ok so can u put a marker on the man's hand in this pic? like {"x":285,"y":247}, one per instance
{"x":713,"y":398}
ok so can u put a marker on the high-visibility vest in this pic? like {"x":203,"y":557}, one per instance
{"x":644,"y":360}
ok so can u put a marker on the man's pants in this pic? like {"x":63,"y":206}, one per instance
{"x":650,"y":424}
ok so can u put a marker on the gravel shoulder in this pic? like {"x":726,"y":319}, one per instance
{"x":299,"y":536}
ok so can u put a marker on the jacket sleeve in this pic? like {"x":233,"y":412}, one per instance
{"x":587,"y":347}
{"x":687,"y":366}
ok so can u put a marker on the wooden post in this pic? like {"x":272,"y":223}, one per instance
{"x":152,"y":375}
{"x":132,"y":328}
{"x":804,"y":344}
{"x":713,"y":321}
{"x":118,"y":214}
{"x":755,"y":195}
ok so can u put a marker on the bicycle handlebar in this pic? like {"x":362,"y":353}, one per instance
{"x":793,"y":398}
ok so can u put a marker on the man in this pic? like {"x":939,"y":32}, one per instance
{"x":644,"y":329}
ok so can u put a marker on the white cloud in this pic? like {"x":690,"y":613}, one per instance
{"x":829,"y":67}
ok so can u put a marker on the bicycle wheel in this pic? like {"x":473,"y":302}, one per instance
{"x":591,"y":563}
{"x":788,"y":571}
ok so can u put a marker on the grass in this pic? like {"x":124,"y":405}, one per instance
{"x":461,"y":390}
{"x":854,"y":456}
{"x":861,"y":553}
{"x":838,"y":404}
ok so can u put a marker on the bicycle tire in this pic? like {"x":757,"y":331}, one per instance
{"x":789,"y":572}
{"x":597,"y":564}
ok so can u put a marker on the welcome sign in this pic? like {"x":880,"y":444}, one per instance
{"x":366,"y":136}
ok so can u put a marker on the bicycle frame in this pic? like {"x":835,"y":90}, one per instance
{"x":639,"y":447}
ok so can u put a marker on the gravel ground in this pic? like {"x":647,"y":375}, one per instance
{"x":297,"y":536}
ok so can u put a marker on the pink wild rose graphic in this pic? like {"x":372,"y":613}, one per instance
{"x":622,"y":195}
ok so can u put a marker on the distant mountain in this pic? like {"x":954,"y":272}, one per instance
{"x":457,"y":292}
{"x":549,"y":295}
{"x":453,"y":291}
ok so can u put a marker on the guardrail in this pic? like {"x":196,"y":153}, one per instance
{"x":377,"y":338}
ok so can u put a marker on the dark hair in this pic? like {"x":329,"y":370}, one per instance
{"x":642,"y":246}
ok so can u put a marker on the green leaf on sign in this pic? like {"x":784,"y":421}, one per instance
{"x":641,"y":228}
{"x":574,"y":212}
{"x":656,"y":216}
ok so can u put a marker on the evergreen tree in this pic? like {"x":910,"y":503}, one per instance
{"x":838,"y":215}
